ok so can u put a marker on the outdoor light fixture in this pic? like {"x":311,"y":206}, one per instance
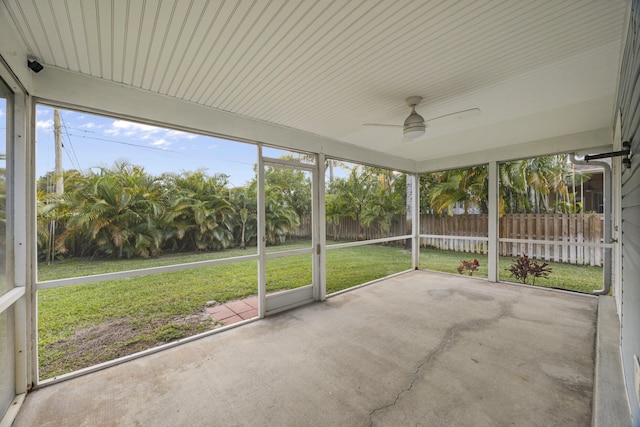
{"x":35,"y":66}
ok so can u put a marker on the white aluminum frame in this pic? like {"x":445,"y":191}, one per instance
{"x":33,"y":371}
{"x":415,"y":220}
{"x":493,"y":233}
{"x":288,"y":299}
{"x":321,"y":258}
{"x":414,"y":236}
{"x":26,"y":302}
{"x":50,"y":284}
{"x":17,"y":238}
{"x":369,"y":242}
{"x":493,"y":239}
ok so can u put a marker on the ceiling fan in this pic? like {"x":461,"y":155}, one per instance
{"x":414,"y":126}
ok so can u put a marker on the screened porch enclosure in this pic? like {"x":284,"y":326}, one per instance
{"x":273,"y":162}
{"x":420,"y":347}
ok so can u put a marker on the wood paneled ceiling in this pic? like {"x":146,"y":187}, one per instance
{"x":536,"y":69}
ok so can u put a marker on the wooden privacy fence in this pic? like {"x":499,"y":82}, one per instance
{"x":473,"y":229}
{"x":350,"y":229}
{"x":560,"y":234}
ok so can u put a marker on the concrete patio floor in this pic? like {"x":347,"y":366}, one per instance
{"x":421,"y":348}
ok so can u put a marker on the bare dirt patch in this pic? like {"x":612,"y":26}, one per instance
{"x":117,"y":338}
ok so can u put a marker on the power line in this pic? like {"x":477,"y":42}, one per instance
{"x":147,"y":147}
{"x":138,"y":146}
{"x":124,"y":143}
{"x":111,"y":140}
{"x":73,"y":151}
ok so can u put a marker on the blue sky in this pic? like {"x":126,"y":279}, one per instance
{"x":92,"y":141}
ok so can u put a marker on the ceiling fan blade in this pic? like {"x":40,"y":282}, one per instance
{"x":382,"y":125}
{"x":452,"y":117}
{"x":407,"y":140}
{"x":436,"y":121}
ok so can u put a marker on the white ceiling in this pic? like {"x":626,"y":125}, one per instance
{"x":536,"y":69}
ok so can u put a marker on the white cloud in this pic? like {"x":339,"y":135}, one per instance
{"x":179,"y":134}
{"x":43,"y":111}
{"x":130,"y":129}
{"x":1,"y":113}
{"x":122,"y":124}
{"x":161,"y":143}
{"x":88,"y":125}
{"x":44,"y":124}
{"x":157,"y":136}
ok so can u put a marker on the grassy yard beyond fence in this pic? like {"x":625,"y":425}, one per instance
{"x":563,"y":276}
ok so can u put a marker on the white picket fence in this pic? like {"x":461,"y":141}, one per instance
{"x":563,"y":236}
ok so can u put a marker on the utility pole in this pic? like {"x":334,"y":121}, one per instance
{"x":58,"y":141}
{"x":59,"y":180}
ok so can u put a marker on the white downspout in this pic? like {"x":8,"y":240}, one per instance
{"x":606,"y":198}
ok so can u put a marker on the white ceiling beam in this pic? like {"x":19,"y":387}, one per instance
{"x":593,"y":141}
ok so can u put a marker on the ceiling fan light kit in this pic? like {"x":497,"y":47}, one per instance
{"x":414,"y":126}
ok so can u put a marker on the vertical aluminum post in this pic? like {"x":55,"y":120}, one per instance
{"x":415,"y":220}
{"x":492,"y":267}
{"x":262,"y":265}
{"x":320,"y":231}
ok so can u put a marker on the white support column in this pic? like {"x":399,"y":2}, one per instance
{"x":492,"y":267}
{"x":415,"y":220}
{"x":21,"y":340}
{"x":33,"y":372}
{"x":22,"y":216}
{"x":321,"y":230}
{"x":262,"y":272}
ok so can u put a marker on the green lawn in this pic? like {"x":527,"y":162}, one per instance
{"x":563,"y":276}
{"x":75,"y":267}
{"x":348,"y":267}
{"x":82,"y":325}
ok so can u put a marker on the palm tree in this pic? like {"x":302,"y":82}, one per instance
{"x":532,"y":185}
{"x":245,"y":204}
{"x":535,"y":185}
{"x":295,"y":186}
{"x":388,"y":201}
{"x":200,"y":213}
{"x":280,"y":218}
{"x":336,"y":209}
{"x":452,"y":187}
{"x":52,"y":210}
{"x":116,"y":211}
{"x":355,"y":191}
{"x":381,"y":208}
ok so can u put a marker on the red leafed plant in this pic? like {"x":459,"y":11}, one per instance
{"x":525,"y":268}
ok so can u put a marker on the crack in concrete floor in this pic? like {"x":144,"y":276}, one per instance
{"x":452,"y":333}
